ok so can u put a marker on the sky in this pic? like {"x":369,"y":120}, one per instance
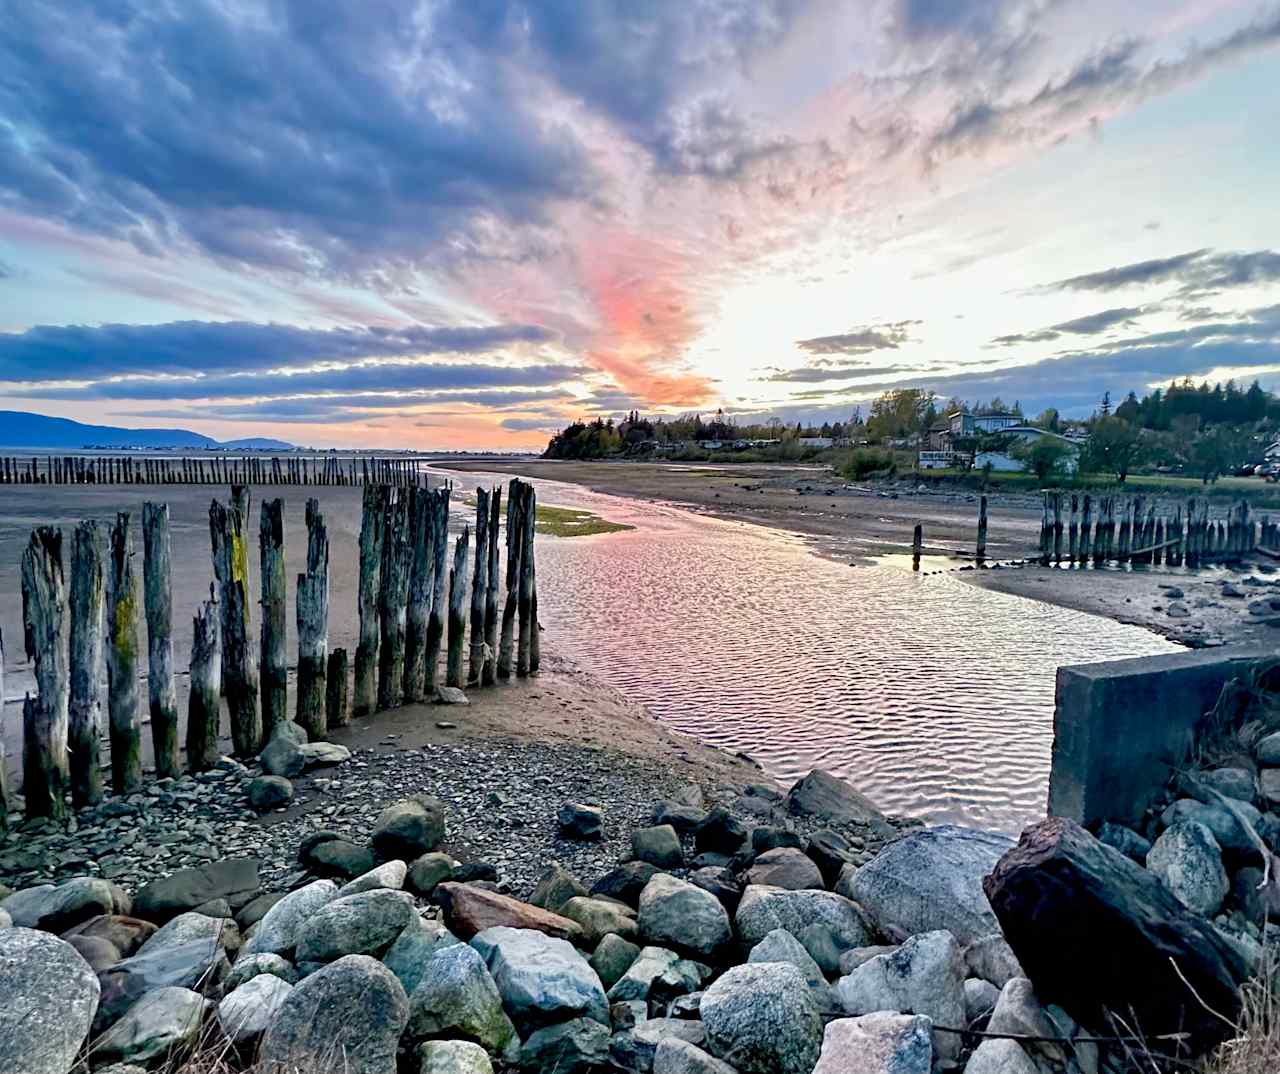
{"x":440,"y":225}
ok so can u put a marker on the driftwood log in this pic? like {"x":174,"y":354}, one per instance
{"x":372,"y":521}
{"x":123,"y":701}
{"x":479,"y":589}
{"x":1099,"y":934}
{"x":313,"y":626}
{"x":44,"y":717}
{"x":273,"y":644}
{"x":88,"y":601}
{"x":203,"y":707}
{"x":421,"y":583}
{"x":230,"y":568}
{"x":457,"y":609}
{"x":489,"y":674}
{"x":396,"y":567}
{"x":439,"y":588}
{"x":162,"y":696}
{"x":335,"y":700}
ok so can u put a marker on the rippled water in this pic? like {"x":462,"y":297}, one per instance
{"x":930,"y":695}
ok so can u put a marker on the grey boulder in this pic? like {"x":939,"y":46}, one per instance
{"x":821,"y":794}
{"x":456,"y":998}
{"x":612,"y":958}
{"x":657,"y":974}
{"x":414,"y":948}
{"x":453,"y":1057}
{"x":278,"y":931}
{"x":541,"y":979}
{"x":48,"y":997}
{"x":781,"y":946}
{"x":389,"y":875}
{"x":1000,"y":1057}
{"x":764,"y":909}
{"x":633,"y":1049}
{"x":161,"y":1022}
{"x":245,"y":1013}
{"x":785,"y":867}
{"x":269,"y":792}
{"x":248,"y":967}
{"x":881,"y":1043}
{"x":677,"y":913}
{"x":659,"y":846}
{"x":1189,"y":861}
{"x":676,"y":1056}
{"x":57,"y":908}
{"x":409,"y":828}
{"x":573,"y":1047}
{"x":366,"y":923}
{"x":762,"y":1019}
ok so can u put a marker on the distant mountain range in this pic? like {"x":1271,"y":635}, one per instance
{"x":18,"y":429}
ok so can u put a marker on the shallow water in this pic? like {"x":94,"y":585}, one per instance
{"x":932,"y":696}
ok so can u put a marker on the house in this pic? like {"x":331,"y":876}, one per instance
{"x":940,"y":436}
{"x":962,"y":423}
{"x":1002,"y":461}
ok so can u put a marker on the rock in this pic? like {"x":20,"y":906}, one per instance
{"x":456,"y":997}
{"x":53,"y":908}
{"x":785,"y":867}
{"x":1178,"y":611}
{"x":453,"y":1057}
{"x":625,"y":882}
{"x":245,"y":1013}
{"x":235,"y":879}
{"x":126,"y":934}
{"x":1019,"y":1013}
{"x":429,"y":870}
{"x":269,"y":792}
{"x":831,"y":852}
{"x":683,"y":818}
{"x":612,"y":958}
{"x":414,"y":948}
{"x":1237,"y":783}
{"x":659,"y":846}
{"x":992,"y":959}
{"x":256,"y":909}
{"x":451,"y":695}
{"x":290,"y":732}
{"x":353,"y":1007}
{"x":768,"y":837}
{"x":338,"y":858}
{"x":555,"y":888}
{"x":599,"y":918}
{"x":409,"y":828}
{"x":1269,"y":785}
{"x":858,"y":956}
{"x":163,"y":1021}
{"x":764,"y":909}
{"x":657,"y":974}
{"x":185,"y":929}
{"x":366,"y":923}
{"x":283,"y":753}
{"x":1189,"y":861}
{"x":923,"y":976}
{"x":635,"y":1048}
{"x":980,"y":999}
{"x":929,"y":880}
{"x":1126,"y":840}
{"x":575,"y":1047}
{"x":199,"y":965}
{"x":541,"y":979}
{"x":880,"y":1043}
{"x":475,"y":871}
{"x":823,"y":946}
{"x":389,"y":875}
{"x":323,"y":754}
{"x":248,"y":967}
{"x":277,"y":933}
{"x":1095,"y":930}
{"x":721,"y":883}
{"x":763,"y":1019}
{"x":1217,"y":818}
{"x":821,"y":794}
{"x":1267,"y":750}
{"x":100,"y":954}
{"x":1000,"y":1057}
{"x":676,"y":1056}
{"x":582,"y":822}
{"x":679,"y":914}
{"x":781,"y":946}
{"x":48,"y":998}
{"x":720,"y":832}
{"x":469,"y":909}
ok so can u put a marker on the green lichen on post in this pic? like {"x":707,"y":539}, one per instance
{"x":122,"y":662}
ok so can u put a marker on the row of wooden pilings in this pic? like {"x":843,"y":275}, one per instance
{"x":412,"y":601}
{"x":1081,"y":529}
{"x":208,"y":470}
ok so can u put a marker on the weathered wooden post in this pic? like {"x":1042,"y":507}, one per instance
{"x":981,"y":552}
{"x":1086,"y":529}
{"x":84,"y":729}
{"x":226,"y":531}
{"x":489,"y":674}
{"x":372,"y":523}
{"x":44,"y":717}
{"x":274,"y":660}
{"x":1122,"y":551}
{"x":515,"y":542}
{"x":122,"y":662}
{"x":396,"y":568}
{"x":917,"y":546}
{"x":4,"y":764}
{"x":479,"y":588}
{"x":203,"y":708}
{"x":313,"y":627}
{"x":421,"y":583}
{"x":158,"y":597}
{"x":1057,"y":527}
{"x":439,"y":590}
{"x":457,"y":609}
{"x":1073,"y":530}
{"x":528,"y":623}
{"x":535,"y":630}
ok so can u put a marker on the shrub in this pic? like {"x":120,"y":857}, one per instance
{"x":868,"y":462}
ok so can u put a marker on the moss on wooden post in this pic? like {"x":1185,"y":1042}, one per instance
{"x":158,"y":596}
{"x":421,"y":584}
{"x":44,"y":619}
{"x":313,"y":626}
{"x":204,"y":710}
{"x":479,"y":588}
{"x":122,"y":661}
{"x":226,"y":532}
{"x":439,"y":588}
{"x":273,"y":642}
{"x":397,"y":553}
{"x":84,"y":729}
{"x":457,"y":609}
{"x":373,"y":520}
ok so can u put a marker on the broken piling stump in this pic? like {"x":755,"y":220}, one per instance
{"x":457,"y":610}
{"x":88,"y":603}
{"x":273,"y":667}
{"x":226,"y":531}
{"x":44,"y":717}
{"x":203,"y":707}
{"x":162,"y":697}
{"x":372,"y":523}
{"x":313,"y":627}
{"x":122,"y":662}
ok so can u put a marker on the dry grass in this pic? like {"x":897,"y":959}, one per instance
{"x":1255,"y":1049}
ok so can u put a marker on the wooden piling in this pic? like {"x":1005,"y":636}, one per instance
{"x":313,"y":628}
{"x":515,"y":542}
{"x":479,"y":589}
{"x":44,"y":620}
{"x":162,"y":696}
{"x":396,"y":568}
{"x":1086,"y":529}
{"x":226,"y":531}
{"x":372,"y":523}
{"x":4,"y":764}
{"x":1073,"y":530}
{"x":917,"y":546}
{"x":457,"y":610}
{"x":203,"y":708}
{"x":122,"y":661}
{"x":525,"y":607}
{"x":421,"y":583}
{"x":1057,"y":527}
{"x":439,"y":589}
{"x":337,"y":712}
{"x":84,"y":727}
{"x":489,"y":675}
{"x":273,"y":642}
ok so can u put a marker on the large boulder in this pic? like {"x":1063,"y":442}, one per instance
{"x":680,"y":914}
{"x":278,"y":931}
{"x":599,"y":918}
{"x":581,"y":822}
{"x":456,"y":998}
{"x":612,"y":958}
{"x":676,"y":1056}
{"x":469,"y":909}
{"x":820,"y":794}
{"x":929,"y":880}
{"x":184,"y":929}
{"x":269,"y":792}
{"x":408,"y":829}
{"x":881,"y":1043}
{"x":781,"y":946}
{"x":1000,"y":1057}
{"x":634,"y":1049}
{"x":162,"y":1022}
{"x":763,"y":1020}
{"x":250,"y":966}
{"x":541,"y":979}
{"x":48,"y":997}
{"x":283,"y":753}
{"x":453,"y":1057}
{"x":428,"y":871}
{"x":354,"y":1008}
{"x":556,"y":887}
{"x":720,"y":832}
{"x":659,"y":846}
{"x":198,"y":965}
{"x":657,"y":974}
{"x":389,"y":875}
{"x":785,"y":867}
{"x":831,"y":852}
{"x":366,"y":923}
{"x":56,"y":908}
{"x":235,"y":879}
{"x":126,"y":934}
{"x":924,"y":976}
{"x":1189,"y":861}
{"x":336,"y":857}
{"x":574,"y":1047}
{"x":764,"y":909}
{"x":1226,"y":827}
{"x":245,"y":1013}
{"x":625,"y":882}
{"x":413,"y":949}
{"x":1096,"y":931}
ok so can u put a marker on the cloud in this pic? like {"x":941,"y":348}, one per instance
{"x":814,"y":374}
{"x":528,"y":425}
{"x":1088,"y":325}
{"x":861,"y":340}
{"x":1198,"y":271}
{"x":83,"y":352}
{"x":709,"y":138}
